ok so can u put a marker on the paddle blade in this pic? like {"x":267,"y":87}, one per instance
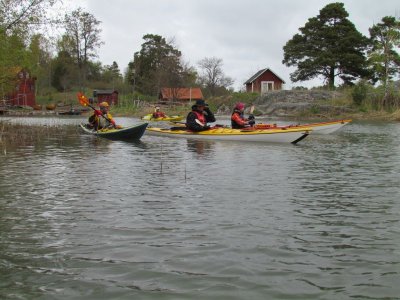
{"x":252,"y":109}
{"x":82,"y":99}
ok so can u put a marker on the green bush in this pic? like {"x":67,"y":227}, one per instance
{"x":359,"y":93}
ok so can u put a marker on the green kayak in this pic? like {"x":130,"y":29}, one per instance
{"x":126,"y":133}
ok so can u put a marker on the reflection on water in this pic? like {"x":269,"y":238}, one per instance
{"x":200,"y":147}
{"x":87,"y":218}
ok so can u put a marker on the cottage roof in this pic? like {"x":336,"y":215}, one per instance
{"x":181,"y":93}
{"x":259,"y":73}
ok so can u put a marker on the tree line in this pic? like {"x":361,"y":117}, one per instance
{"x":327,"y":46}
{"x":73,"y":63}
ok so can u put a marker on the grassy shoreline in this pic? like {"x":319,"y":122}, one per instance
{"x":137,"y":105}
{"x":376,"y":115}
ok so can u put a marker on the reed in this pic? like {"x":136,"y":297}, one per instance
{"x":17,"y":135}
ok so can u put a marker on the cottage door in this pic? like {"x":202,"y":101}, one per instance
{"x":267,"y":86}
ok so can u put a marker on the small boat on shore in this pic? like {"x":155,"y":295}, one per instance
{"x":70,"y":113}
{"x":149,"y":117}
{"x":278,"y":135}
{"x":131,"y":133}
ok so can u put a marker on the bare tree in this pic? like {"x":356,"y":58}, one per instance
{"x":212,"y":76}
{"x":83,"y":32}
{"x":17,"y":13}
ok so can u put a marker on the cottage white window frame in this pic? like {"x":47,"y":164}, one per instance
{"x":267,"y":86}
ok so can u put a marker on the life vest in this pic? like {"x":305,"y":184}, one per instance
{"x":200,"y":116}
{"x":158,"y":114}
{"x":234,"y":124}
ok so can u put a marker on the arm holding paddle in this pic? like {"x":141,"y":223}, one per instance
{"x":238,"y":120}
{"x":103,"y":112}
{"x":251,"y":119}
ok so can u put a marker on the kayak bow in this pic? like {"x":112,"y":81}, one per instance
{"x":128,"y":133}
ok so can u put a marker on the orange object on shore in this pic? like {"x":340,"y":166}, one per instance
{"x":51,"y":106}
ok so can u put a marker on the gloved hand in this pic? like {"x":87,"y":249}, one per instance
{"x":207,"y":110}
{"x":251,"y":117}
{"x":206,"y":127}
{"x":252,"y":122}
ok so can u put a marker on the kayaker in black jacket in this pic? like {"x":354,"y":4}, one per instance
{"x":198,"y":118}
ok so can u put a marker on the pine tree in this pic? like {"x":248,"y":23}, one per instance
{"x":330,"y":46}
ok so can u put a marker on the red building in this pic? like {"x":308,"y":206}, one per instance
{"x":180,"y":94}
{"x":263,"y":81}
{"x":109,"y":96}
{"x":24,"y":93}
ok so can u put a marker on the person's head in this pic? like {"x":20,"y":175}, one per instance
{"x":239,"y":106}
{"x":104,"y":106}
{"x":157,"y":108}
{"x":200,"y":104}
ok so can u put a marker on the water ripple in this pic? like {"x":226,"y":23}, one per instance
{"x":82,"y":217}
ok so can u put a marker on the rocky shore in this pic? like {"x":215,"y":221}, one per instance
{"x":280,"y":104}
{"x":296,"y":103}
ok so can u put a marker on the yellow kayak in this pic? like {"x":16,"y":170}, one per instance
{"x":279,"y":135}
{"x":149,"y":117}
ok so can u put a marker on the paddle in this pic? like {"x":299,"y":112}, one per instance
{"x":252,"y":109}
{"x":200,"y":123}
{"x":251,"y":118}
{"x":83,"y":100}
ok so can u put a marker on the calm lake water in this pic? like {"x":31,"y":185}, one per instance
{"x":86,"y":218}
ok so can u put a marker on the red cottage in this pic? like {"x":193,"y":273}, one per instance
{"x":24,"y":93}
{"x":109,"y":96}
{"x":180,"y":94}
{"x":263,"y":81}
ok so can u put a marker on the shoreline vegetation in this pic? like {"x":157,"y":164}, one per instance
{"x":379,"y":115}
{"x":284,"y":104}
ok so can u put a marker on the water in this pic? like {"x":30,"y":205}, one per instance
{"x":86,"y":218}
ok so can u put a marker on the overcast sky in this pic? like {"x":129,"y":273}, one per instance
{"x":247,"y":35}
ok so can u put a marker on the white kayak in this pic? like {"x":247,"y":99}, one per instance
{"x":317,"y":128}
{"x":278,"y":135}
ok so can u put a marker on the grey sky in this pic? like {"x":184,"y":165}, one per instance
{"x":247,"y":35}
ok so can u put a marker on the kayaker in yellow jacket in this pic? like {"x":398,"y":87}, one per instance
{"x":102,"y":118}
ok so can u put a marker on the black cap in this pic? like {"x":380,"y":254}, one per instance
{"x":201,"y":103}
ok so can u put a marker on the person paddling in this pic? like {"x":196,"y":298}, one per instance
{"x":238,"y":120}
{"x":158,"y":113}
{"x":102,"y":118}
{"x":198,"y":118}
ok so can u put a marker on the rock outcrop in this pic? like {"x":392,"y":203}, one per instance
{"x":295,"y":103}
